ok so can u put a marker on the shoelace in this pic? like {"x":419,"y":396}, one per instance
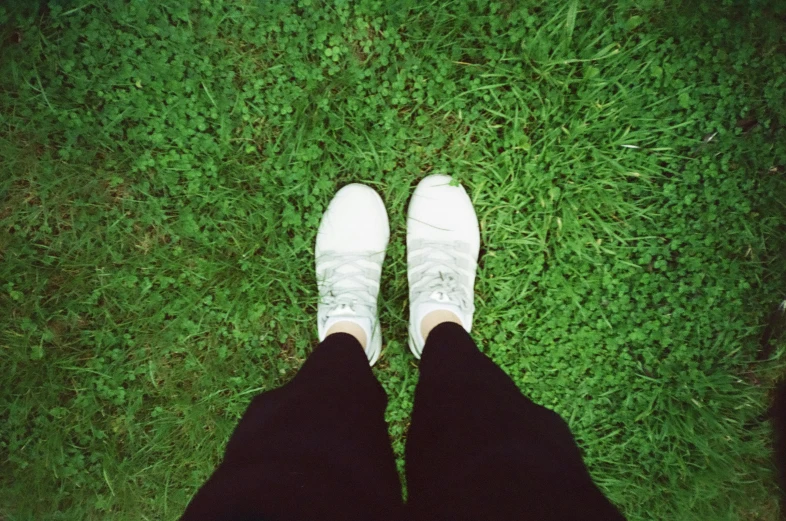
{"x":354,"y":285}
{"x":438,"y":273}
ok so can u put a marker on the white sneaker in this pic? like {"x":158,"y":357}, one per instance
{"x":443,"y":240}
{"x":350,"y":248}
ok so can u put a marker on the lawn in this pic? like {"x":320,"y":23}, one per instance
{"x":164,"y":166}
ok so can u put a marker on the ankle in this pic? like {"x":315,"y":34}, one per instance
{"x":435,"y":318}
{"x":350,"y":328}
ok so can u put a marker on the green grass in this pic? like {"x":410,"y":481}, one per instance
{"x":164,"y":166}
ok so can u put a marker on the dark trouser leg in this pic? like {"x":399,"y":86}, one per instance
{"x":316,"y":448}
{"x":478,"y":449}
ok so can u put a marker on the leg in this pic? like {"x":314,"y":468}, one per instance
{"x":317,"y":448}
{"x":479,"y":449}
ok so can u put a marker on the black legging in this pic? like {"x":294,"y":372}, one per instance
{"x":318,"y":448}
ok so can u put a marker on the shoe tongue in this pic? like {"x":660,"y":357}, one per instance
{"x":441,"y":296}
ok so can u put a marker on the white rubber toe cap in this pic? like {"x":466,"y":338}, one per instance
{"x":355,"y":221}
{"x":443,"y":212}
